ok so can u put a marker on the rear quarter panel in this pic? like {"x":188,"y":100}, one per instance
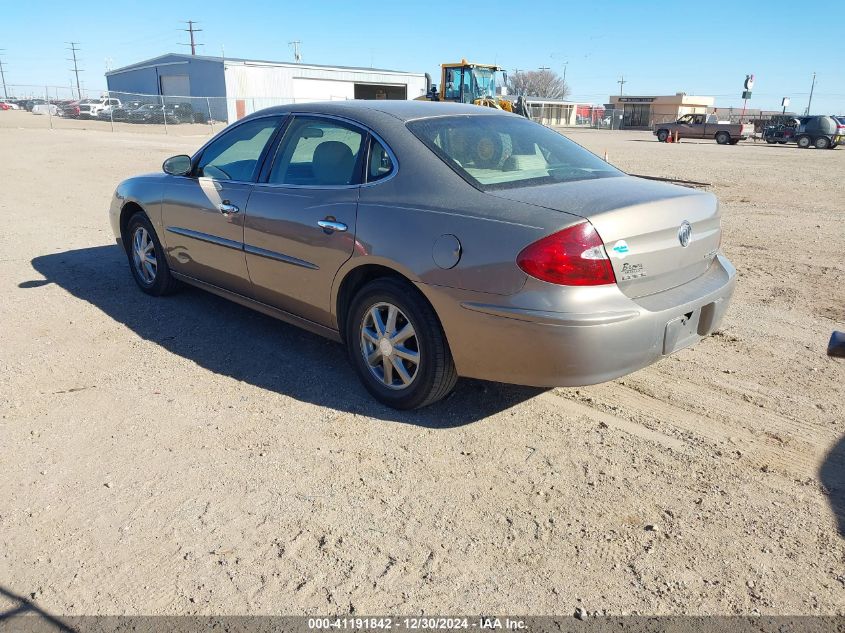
{"x":400,"y":219}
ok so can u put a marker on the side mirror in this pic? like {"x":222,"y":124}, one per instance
{"x":177,"y":165}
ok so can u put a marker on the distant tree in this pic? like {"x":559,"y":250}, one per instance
{"x":538,"y":83}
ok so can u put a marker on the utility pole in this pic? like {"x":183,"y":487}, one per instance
{"x":542,"y":68}
{"x":810,"y":102}
{"x":3,"y":75}
{"x":192,"y":30}
{"x":297,"y":55}
{"x":76,"y":70}
{"x":621,"y":83}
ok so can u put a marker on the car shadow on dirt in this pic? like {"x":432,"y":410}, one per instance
{"x":832,"y":476}
{"x":235,"y":341}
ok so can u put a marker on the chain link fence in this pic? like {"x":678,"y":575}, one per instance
{"x":60,"y":107}
{"x":575,"y":115}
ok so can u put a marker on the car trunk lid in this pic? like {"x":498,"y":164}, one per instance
{"x":640,"y":222}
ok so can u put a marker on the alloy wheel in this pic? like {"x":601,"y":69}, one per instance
{"x":144,"y":255}
{"x":390,"y":346}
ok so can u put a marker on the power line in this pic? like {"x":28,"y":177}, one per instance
{"x":192,"y":30}
{"x":297,"y":55}
{"x":76,"y":69}
{"x":810,"y":102}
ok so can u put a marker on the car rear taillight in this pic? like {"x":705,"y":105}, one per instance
{"x":572,"y":257}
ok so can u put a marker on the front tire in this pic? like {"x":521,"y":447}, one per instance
{"x":397,"y":346}
{"x":803,"y":142}
{"x":146,"y":257}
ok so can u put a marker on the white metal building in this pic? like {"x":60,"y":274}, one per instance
{"x":235,"y":87}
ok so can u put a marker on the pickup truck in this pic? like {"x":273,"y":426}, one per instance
{"x":704,"y":126}
{"x":90,"y":108}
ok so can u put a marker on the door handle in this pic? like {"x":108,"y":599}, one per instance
{"x":226,"y":208}
{"x":331,"y":225}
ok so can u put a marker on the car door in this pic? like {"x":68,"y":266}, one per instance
{"x":299,"y":226}
{"x":203,"y":213}
{"x":696,"y":126}
{"x":683,"y":126}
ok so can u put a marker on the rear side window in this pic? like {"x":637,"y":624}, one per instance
{"x":235,"y":154}
{"x":501,"y":151}
{"x":380,"y":164}
{"x":318,"y":153}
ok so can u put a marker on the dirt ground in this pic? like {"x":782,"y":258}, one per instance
{"x":187,"y":455}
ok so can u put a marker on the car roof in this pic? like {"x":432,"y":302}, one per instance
{"x":400,"y":109}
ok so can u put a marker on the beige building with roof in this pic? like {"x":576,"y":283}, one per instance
{"x":643,"y":112}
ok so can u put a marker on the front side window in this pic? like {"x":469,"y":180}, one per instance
{"x":497,"y":152}
{"x":235,"y":154}
{"x":319,"y":153}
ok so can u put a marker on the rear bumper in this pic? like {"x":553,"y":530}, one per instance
{"x":507,"y":339}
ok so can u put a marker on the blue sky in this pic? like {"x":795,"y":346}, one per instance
{"x":660,"y":47}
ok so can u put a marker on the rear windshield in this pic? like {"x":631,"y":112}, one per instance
{"x":502,"y":152}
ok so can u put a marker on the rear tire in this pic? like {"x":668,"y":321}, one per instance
{"x":662,"y":135}
{"x":771,"y":141}
{"x":803,"y":142}
{"x":723,"y":138}
{"x":146,"y":257}
{"x":822,"y":142}
{"x":402,"y":373}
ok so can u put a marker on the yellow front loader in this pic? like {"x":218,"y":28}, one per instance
{"x":464,"y":82}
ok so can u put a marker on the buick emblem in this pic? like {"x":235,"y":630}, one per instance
{"x":685,"y":233}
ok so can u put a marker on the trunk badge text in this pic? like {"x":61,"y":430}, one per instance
{"x":685,"y":233}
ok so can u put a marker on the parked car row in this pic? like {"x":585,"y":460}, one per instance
{"x":139,"y":112}
{"x":111,"y":109}
{"x":20,"y":104}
